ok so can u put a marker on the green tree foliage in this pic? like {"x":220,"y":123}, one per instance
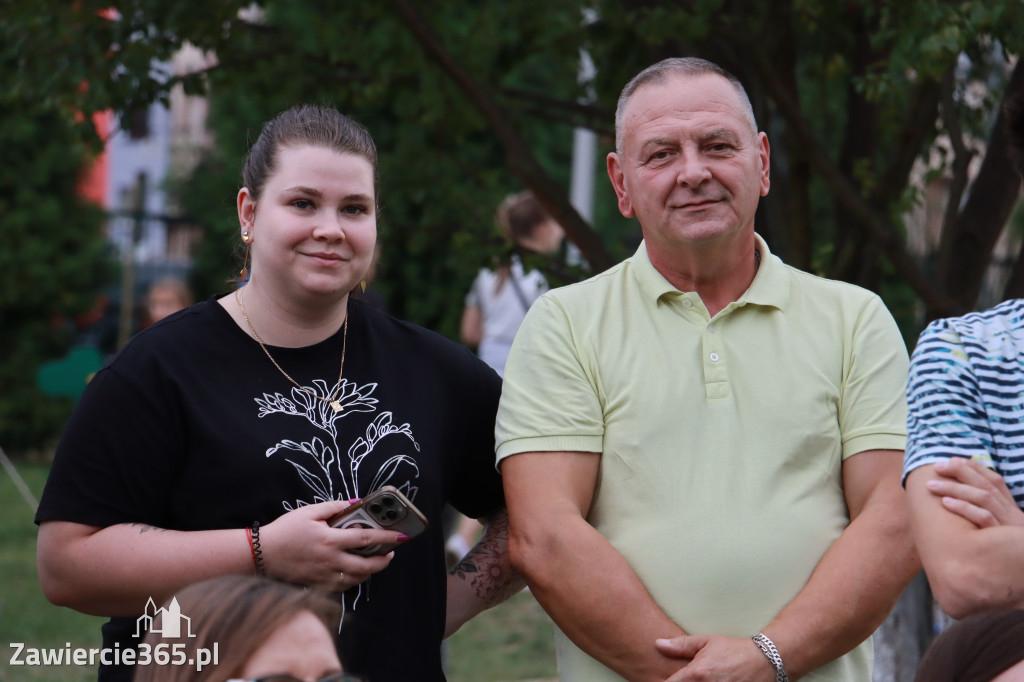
{"x":435,"y":232}
{"x":862,"y":101}
{"x":51,"y":264}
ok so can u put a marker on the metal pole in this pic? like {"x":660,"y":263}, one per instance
{"x":127,"y":318}
{"x":19,"y":482}
{"x":584,"y":148}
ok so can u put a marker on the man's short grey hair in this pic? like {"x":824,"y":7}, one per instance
{"x":684,"y":66}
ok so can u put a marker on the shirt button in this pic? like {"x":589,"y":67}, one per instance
{"x":687,"y":303}
{"x":712,"y":329}
{"x":714,"y":357}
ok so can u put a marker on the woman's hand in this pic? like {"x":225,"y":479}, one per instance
{"x":301,"y":547}
{"x":976,"y":493}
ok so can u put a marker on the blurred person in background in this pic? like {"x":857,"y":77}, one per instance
{"x":496,"y":305}
{"x":498,"y":300}
{"x":166,"y":295}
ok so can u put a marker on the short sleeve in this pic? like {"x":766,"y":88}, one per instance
{"x":549,"y":400}
{"x":477,"y":489}
{"x":116,"y":456}
{"x":873,"y":410}
{"x":946,"y":414}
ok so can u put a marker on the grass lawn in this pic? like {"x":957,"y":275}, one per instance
{"x":25,"y":615}
{"x":511,"y":642}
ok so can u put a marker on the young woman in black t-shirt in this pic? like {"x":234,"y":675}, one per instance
{"x":222,"y":439}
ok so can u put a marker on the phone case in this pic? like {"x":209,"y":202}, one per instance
{"x":384,"y":508}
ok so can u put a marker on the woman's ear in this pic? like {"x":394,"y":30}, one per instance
{"x":246,"y":214}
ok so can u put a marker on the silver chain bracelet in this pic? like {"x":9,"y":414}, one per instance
{"x":767,"y":648}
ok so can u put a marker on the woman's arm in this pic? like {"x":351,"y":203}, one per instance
{"x":484,"y":577}
{"x":970,"y":533}
{"x":471,"y":330}
{"x":113,"y":571}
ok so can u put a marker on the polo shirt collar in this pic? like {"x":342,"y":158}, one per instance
{"x":771,"y":283}
{"x":769,"y":288}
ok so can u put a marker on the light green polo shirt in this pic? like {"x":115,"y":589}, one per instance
{"x":721,"y":440}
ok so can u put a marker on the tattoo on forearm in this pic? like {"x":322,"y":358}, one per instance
{"x":145,"y":527}
{"x":487,"y":566}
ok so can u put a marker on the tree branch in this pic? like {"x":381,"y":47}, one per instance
{"x":847,"y":195}
{"x":961,"y":162}
{"x":918,"y":125}
{"x":582,"y":115}
{"x":993,"y":195}
{"x":521,"y":161}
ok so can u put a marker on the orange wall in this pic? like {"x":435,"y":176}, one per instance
{"x":93,"y":184}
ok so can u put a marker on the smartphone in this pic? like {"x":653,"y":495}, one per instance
{"x":384,"y":508}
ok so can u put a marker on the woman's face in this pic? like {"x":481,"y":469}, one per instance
{"x":302,"y":648}
{"x":313,"y":230}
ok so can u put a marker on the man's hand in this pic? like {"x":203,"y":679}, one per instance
{"x":717,"y":658}
{"x":976,"y":493}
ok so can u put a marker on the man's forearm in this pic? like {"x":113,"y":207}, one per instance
{"x":598,"y":601}
{"x":482,"y":578}
{"x":850,"y":593}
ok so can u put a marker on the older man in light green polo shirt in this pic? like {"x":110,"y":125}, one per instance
{"x":701,"y":447}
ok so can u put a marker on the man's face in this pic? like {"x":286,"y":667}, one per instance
{"x":691,"y":168}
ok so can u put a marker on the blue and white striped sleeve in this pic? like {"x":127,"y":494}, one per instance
{"x":946,"y":409}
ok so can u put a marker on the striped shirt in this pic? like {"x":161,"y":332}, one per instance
{"x":966,"y":393}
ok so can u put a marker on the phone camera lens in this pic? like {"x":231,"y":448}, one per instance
{"x":391,"y":514}
{"x":375,"y":508}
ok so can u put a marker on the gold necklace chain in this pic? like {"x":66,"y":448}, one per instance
{"x":335,"y":404}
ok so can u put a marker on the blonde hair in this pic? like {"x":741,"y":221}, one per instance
{"x":238,"y":613}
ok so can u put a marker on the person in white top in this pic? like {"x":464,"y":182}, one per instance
{"x":499,"y":299}
{"x":497,"y":303}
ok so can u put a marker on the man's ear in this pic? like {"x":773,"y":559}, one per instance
{"x":618,"y":179}
{"x":766,"y":166}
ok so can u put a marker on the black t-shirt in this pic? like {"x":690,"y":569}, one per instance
{"x":190,"y":427}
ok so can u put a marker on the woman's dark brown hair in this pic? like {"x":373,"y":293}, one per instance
{"x":238,"y":613}
{"x":518,"y":215}
{"x":302,"y":125}
{"x":975,"y":649}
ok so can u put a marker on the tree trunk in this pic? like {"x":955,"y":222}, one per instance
{"x":905,"y":635}
{"x":520,"y":159}
{"x":992,"y":197}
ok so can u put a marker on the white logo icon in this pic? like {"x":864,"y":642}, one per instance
{"x":170,"y":620}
